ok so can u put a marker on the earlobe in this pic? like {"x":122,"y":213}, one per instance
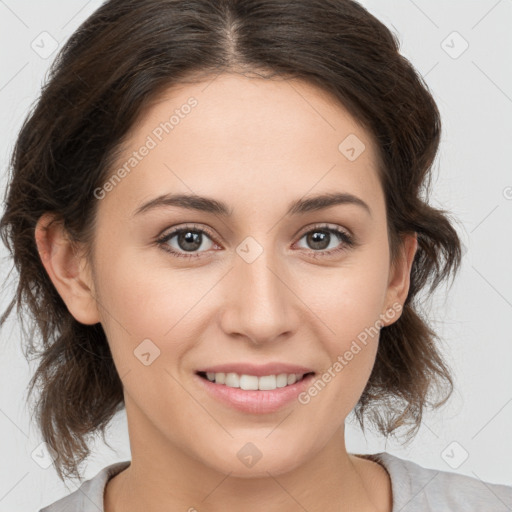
{"x":68,"y":271}
{"x":400,"y":275}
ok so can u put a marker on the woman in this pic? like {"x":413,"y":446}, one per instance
{"x":216,"y":213}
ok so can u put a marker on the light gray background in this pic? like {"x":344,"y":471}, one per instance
{"x":473,"y":180}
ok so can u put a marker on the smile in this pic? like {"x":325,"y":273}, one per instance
{"x":254,"y":394}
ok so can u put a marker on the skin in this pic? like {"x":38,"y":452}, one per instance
{"x":257,"y":145}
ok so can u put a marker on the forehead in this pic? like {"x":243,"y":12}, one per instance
{"x":270,"y":139}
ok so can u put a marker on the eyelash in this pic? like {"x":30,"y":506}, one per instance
{"x":348,"y":240}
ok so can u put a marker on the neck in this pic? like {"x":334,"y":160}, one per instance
{"x":162,"y":476}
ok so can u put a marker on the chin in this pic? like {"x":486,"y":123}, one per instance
{"x":255,"y":459}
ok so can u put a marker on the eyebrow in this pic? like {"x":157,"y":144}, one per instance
{"x":210,"y":205}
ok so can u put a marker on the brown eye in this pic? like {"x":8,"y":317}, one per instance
{"x":327,"y":241}
{"x":185,"y":242}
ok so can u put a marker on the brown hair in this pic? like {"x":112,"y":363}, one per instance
{"x":104,"y":78}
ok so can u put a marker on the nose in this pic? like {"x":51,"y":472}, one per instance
{"x":260,"y":305}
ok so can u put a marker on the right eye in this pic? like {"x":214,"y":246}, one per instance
{"x":189,"y":239}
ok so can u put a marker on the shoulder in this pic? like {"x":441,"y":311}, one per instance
{"x":89,"y":496}
{"x":416,"y":488}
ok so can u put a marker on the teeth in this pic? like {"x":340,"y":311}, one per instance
{"x":252,"y":382}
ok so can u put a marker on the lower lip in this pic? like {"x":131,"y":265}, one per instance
{"x":256,"y":402}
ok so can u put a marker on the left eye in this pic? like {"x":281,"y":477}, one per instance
{"x":191,"y":239}
{"x":320,"y":238}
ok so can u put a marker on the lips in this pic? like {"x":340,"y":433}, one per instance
{"x":273,"y":397}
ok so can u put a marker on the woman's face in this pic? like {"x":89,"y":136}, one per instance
{"x":265,"y":283}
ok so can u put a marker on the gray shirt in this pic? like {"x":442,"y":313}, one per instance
{"x":414,"y":488}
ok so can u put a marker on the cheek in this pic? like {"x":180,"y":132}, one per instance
{"x":135,"y":303}
{"x":143,"y":297}
{"x":348,"y":304}
{"x":143,"y":301}
{"x":347,"y":299}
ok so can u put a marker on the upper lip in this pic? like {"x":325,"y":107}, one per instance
{"x":257,"y":370}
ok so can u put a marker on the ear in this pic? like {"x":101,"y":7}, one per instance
{"x":400,"y":278}
{"x":68,"y":271}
